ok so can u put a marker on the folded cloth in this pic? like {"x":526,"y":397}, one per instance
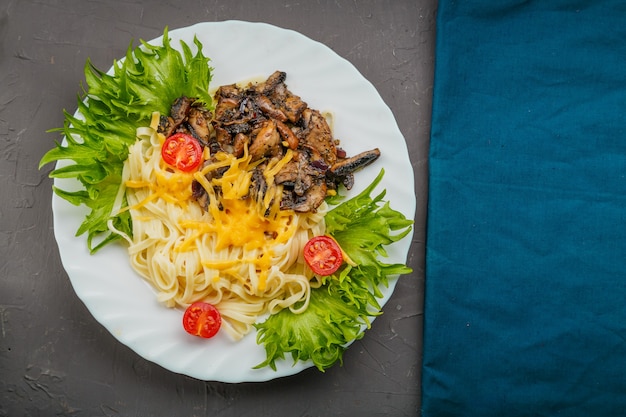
{"x":525,"y":299}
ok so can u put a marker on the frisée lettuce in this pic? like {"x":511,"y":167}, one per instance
{"x":341,"y":309}
{"x":149,"y":79}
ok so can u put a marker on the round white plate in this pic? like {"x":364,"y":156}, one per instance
{"x":126,"y":305}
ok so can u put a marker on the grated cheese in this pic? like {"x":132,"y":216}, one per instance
{"x":236,"y":220}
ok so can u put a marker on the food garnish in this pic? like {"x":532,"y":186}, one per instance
{"x":323,"y":255}
{"x":182,"y":152}
{"x":202,"y":319}
{"x":149,"y":79}
{"x":341,"y":309}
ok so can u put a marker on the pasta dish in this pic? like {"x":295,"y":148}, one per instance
{"x":209,"y":234}
{"x":231,"y":203}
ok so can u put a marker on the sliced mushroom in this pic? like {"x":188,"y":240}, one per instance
{"x":266,"y":142}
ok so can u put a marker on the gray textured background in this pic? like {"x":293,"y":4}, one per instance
{"x":55,"y":359}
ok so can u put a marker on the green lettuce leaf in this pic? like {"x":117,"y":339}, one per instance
{"x":111,"y":108}
{"x":341,"y":309}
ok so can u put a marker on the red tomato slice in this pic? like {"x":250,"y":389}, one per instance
{"x":202,"y":319}
{"x":323,"y":255}
{"x":182,"y":151}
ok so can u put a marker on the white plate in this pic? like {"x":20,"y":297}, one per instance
{"x":124,"y":304}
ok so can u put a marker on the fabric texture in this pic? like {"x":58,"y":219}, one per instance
{"x":525,"y":299}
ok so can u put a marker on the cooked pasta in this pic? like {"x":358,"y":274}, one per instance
{"x":241,"y":255}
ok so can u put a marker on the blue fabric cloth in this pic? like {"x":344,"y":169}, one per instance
{"x":525,"y":300}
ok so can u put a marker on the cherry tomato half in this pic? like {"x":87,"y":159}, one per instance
{"x":202,"y":319}
{"x":323,"y":255}
{"x":182,"y":151}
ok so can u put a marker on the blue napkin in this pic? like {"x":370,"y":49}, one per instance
{"x":525,"y":305}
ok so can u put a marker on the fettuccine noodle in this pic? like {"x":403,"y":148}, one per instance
{"x":230,"y":255}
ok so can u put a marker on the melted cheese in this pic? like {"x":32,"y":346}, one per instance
{"x":239,"y":224}
{"x":237,"y":220}
{"x":173,"y":187}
